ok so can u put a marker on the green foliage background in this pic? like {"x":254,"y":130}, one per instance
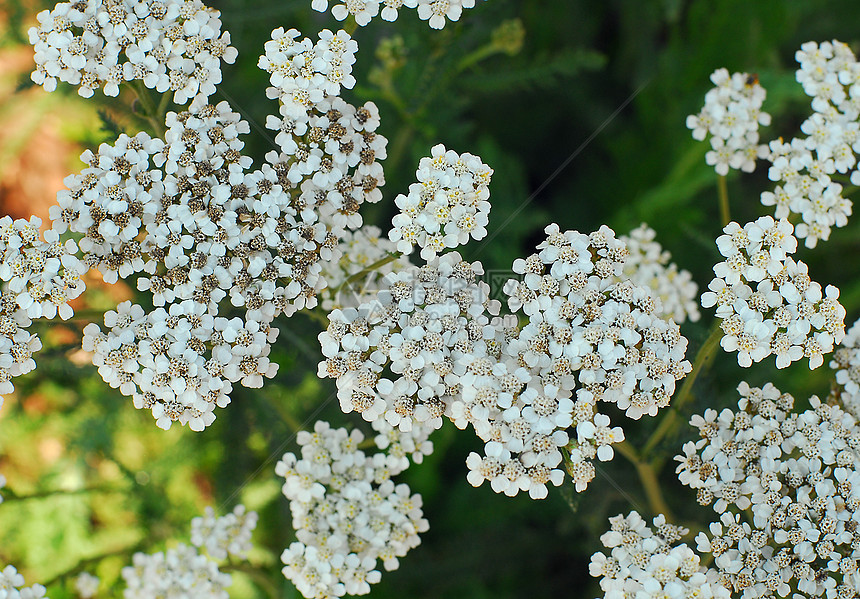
{"x":584,"y":125}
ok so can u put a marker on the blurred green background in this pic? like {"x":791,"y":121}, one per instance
{"x":582,"y":119}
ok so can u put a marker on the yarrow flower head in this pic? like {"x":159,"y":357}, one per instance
{"x":649,"y":562}
{"x":804,"y":167}
{"x":448,"y":206}
{"x":786,"y":487}
{"x":648,"y":265}
{"x":436,"y":12}
{"x":168,"y":45}
{"x":786,"y":314}
{"x":731,"y":117}
{"x":186,"y":572}
{"x":38,"y":279}
{"x":347,"y":512}
{"x":400,"y":356}
{"x":591,"y":337}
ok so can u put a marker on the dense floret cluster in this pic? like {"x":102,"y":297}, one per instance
{"x":348,"y":514}
{"x":649,"y":562}
{"x":590,"y":338}
{"x":805,"y":168}
{"x":401,"y":356}
{"x":786,"y":487}
{"x":731,"y":117}
{"x":786,"y":314}
{"x":446,"y":207}
{"x":183,"y":571}
{"x":169,"y":45}
{"x":38,"y":279}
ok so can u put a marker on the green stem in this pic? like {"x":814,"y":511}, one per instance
{"x":10,"y":496}
{"x":391,"y":257}
{"x":702,"y":361}
{"x":398,"y":147}
{"x":350,"y":25}
{"x":723,"y":191}
{"x":648,"y":478}
{"x":150,"y":112}
{"x":476,"y":56}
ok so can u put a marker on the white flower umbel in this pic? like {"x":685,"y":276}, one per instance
{"x":447,"y":206}
{"x":303,"y":73}
{"x":329,"y":149}
{"x":846,"y":363}
{"x":181,"y":363}
{"x":804,"y":168}
{"x":347,"y":512}
{"x":785,"y":313}
{"x":38,"y":279}
{"x":649,"y":562}
{"x":169,"y":45}
{"x":224,"y":536}
{"x":12,"y":586}
{"x":648,"y":265}
{"x":182,"y":571}
{"x":436,"y":12}
{"x":204,"y":232}
{"x":731,"y":117}
{"x":401,"y":355}
{"x":589,"y":334}
{"x":86,"y":585}
{"x":786,"y":487}
{"x":366,"y":257}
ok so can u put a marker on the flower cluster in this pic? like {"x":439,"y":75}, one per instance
{"x":186,"y":215}
{"x":786,"y":314}
{"x":649,"y":266}
{"x":38,"y":278}
{"x":183,"y":571}
{"x":329,"y":149}
{"x":846,"y":363}
{"x":787,"y":489}
{"x":446,"y":207}
{"x":400,"y":446}
{"x":12,"y":586}
{"x":401,"y":355}
{"x":347,"y":512}
{"x":181,"y":363}
{"x":366,"y":257}
{"x":86,"y":585}
{"x":649,"y":562}
{"x":731,"y":116}
{"x":434,"y":11}
{"x":587,"y":332}
{"x":228,"y":535}
{"x":804,"y":168}
{"x":169,"y":45}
